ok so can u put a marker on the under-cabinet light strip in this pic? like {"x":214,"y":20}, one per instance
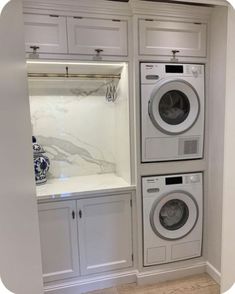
{"x":80,"y":76}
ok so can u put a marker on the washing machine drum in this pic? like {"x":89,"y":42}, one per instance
{"x":174,"y":106}
{"x":173,"y":216}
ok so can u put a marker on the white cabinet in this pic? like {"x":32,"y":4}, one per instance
{"x":47,"y":33}
{"x":85,"y":236}
{"x":59,"y":242}
{"x":105,"y":233}
{"x":87,"y":35}
{"x":161,"y":37}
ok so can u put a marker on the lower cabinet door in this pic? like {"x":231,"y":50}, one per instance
{"x":105,"y":233}
{"x":59,"y":243}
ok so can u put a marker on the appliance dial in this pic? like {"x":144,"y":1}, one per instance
{"x":194,"y":179}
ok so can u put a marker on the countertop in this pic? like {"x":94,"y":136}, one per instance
{"x":75,"y":187}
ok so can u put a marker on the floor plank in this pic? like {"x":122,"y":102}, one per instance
{"x":199,"y":284}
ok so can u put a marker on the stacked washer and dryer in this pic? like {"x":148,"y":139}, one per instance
{"x":172,"y":128}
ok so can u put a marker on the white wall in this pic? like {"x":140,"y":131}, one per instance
{"x":20,"y":259}
{"x":228,"y":233}
{"x":215,"y":133}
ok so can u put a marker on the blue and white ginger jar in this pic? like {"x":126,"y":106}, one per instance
{"x":41,"y":163}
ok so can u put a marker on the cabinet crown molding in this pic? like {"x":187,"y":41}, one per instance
{"x":133,"y":7}
{"x":158,"y":9}
{"x":78,"y":6}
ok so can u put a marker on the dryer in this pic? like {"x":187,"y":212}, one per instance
{"x":172,"y":111}
{"x":172,"y":217}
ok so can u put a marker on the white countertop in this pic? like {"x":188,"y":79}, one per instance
{"x":73,"y":186}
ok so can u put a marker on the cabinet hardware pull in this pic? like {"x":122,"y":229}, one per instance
{"x":148,"y":19}
{"x":54,"y":15}
{"x":73,"y":214}
{"x":174,"y":52}
{"x":98,"y":51}
{"x":174,"y":59}
{"x":78,"y":17}
{"x":116,"y":20}
{"x":131,"y":202}
{"x":80,"y":213}
{"x":35,"y":48}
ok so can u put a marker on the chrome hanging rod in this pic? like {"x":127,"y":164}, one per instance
{"x":69,"y":75}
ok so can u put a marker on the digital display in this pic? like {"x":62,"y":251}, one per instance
{"x":174,"y":69}
{"x":174,"y":180}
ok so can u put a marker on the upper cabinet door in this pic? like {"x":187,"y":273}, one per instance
{"x":86,"y":35}
{"x":59,"y":243}
{"x":161,"y":37}
{"x":46,"y":32}
{"x":105,"y":233}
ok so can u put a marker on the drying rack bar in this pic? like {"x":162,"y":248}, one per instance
{"x":69,"y":75}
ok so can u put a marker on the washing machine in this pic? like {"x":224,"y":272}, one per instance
{"x":172,"y":217}
{"x":172,"y":111}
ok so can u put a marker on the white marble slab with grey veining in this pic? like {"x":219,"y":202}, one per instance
{"x":80,"y":187}
{"x":75,"y":125}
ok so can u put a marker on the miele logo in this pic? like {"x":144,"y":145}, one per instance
{"x":151,"y":66}
{"x":148,"y":66}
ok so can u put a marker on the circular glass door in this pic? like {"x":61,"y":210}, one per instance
{"x":174,"y":106}
{"x":174,"y":215}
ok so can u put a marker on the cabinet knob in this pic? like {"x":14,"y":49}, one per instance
{"x":174,"y":59}
{"x":98,"y":55}
{"x":73,"y":214}
{"x":35,"y":48}
{"x":98,"y":51}
{"x":175,"y":51}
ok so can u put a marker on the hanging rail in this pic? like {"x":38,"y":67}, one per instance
{"x":69,"y":75}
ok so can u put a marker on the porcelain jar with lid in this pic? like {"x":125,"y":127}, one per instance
{"x":41,"y":163}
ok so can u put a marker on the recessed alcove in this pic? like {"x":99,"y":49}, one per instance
{"x":80,"y":115}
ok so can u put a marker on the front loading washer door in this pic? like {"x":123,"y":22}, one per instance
{"x":174,"y":215}
{"x":174,"y":106}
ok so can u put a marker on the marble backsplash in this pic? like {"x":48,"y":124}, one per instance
{"x":75,"y":125}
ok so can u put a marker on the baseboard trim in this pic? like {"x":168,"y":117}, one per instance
{"x":213,"y":272}
{"x":111,"y":280}
{"x":91,"y":284}
{"x":170,"y":274}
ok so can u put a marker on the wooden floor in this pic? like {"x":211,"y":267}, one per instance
{"x":199,"y":284}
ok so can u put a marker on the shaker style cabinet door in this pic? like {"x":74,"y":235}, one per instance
{"x":58,"y":235}
{"x":87,"y":35}
{"x":105,"y":233}
{"x":46,"y":33}
{"x":161,"y":37}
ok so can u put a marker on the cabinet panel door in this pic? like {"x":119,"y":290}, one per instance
{"x":105,"y":233}
{"x":46,"y":32}
{"x":85,"y":35}
{"x":59,"y":244}
{"x":161,"y":37}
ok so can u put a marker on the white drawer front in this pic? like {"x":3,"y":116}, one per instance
{"x":59,"y":241}
{"x":161,"y":37}
{"x":85,"y":35}
{"x":46,"y":32}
